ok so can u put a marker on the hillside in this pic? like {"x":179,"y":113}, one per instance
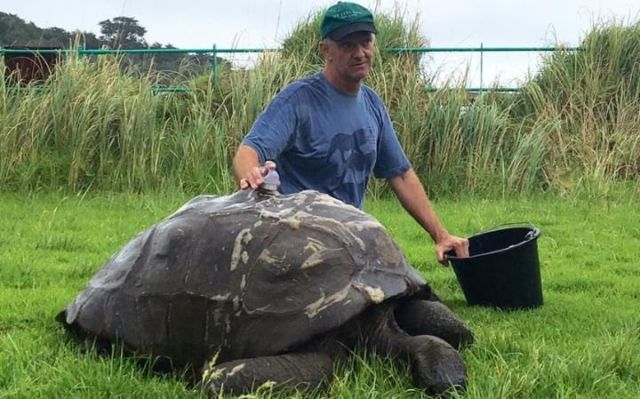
{"x":15,"y":31}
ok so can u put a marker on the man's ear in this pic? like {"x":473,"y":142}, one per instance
{"x":324,"y":48}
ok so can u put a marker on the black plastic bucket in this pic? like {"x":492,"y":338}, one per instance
{"x":502,"y":270}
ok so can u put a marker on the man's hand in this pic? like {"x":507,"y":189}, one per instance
{"x":255,"y":176}
{"x":449,"y":242}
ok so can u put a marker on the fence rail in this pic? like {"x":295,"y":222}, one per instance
{"x":214,"y":51}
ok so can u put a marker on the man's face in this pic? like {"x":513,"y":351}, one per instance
{"x":351,"y":57}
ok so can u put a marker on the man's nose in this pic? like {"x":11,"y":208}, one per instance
{"x":359,"y":51}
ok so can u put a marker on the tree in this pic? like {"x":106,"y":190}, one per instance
{"x":87,"y":39}
{"x":122,"y":32}
{"x":55,"y":37}
{"x":14,"y":31}
{"x":119,"y":32}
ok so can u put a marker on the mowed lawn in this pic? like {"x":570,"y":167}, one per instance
{"x":583,"y":343}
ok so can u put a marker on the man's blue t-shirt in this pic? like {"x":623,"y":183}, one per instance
{"x":327,"y":140}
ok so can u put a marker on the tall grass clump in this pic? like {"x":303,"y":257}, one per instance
{"x":78,"y":127}
{"x":94,"y":126}
{"x":593,"y":95}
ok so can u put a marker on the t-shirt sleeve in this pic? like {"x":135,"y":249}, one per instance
{"x":272,"y":131}
{"x":392,"y":160}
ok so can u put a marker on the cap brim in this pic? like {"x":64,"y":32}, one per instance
{"x":341,"y":33}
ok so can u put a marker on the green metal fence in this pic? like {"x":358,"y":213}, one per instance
{"x":482,"y":50}
{"x":214,"y":52}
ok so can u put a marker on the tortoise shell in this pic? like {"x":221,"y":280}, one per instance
{"x":243,"y":275}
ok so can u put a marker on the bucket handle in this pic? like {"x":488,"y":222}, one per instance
{"x":511,"y":224}
{"x":534,"y":233}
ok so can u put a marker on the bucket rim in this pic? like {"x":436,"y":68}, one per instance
{"x":534,"y":234}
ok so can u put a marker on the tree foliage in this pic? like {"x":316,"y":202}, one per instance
{"x":120,"y":32}
{"x":14,"y":31}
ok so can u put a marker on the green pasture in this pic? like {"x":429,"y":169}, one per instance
{"x":583,"y":343}
{"x":89,"y":157}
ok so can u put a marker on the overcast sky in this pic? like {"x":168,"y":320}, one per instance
{"x":264,"y":23}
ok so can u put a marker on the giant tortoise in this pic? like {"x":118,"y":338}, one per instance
{"x":274,"y":288}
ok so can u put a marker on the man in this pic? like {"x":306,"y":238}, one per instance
{"x":329,"y":132}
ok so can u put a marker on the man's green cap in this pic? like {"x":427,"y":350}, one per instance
{"x":344,"y":18}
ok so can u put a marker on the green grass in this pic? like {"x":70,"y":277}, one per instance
{"x":583,"y":343}
{"x":572,"y":133}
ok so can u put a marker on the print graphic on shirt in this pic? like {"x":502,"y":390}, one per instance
{"x":352,"y":157}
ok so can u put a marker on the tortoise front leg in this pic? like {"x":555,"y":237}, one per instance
{"x":426,"y":317}
{"x":435,"y":365}
{"x":288,"y":371}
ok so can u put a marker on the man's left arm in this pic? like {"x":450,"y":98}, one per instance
{"x":412,"y":196}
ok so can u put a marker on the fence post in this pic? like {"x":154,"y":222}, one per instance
{"x":214,"y":64}
{"x":481,"y":65}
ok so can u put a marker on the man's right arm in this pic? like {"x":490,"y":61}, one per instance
{"x":246,"y":166}
{"x":268,"y":137}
